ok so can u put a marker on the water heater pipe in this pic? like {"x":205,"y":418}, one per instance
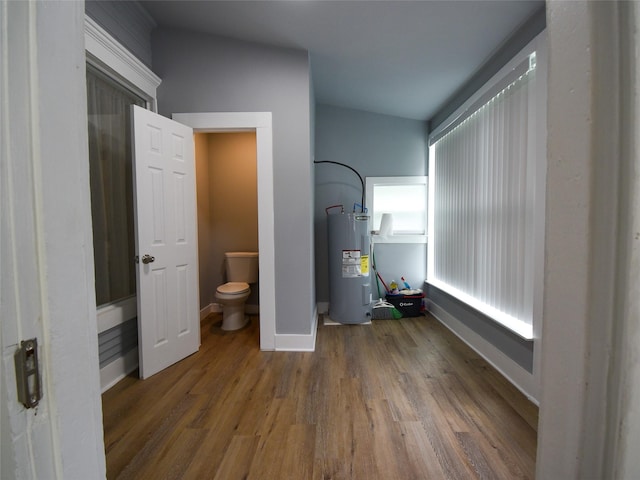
{"x":354,"y":171}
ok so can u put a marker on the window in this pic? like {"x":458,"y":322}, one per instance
{"x":115,"y":79}
{"x":111,"y":175}
{"x":405,"y":200}
{"x":486,"y":215}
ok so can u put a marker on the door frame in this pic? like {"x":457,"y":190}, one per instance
{"x":261,"y":123}
{"x":46,"y":252}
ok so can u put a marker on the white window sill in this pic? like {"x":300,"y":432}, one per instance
{"x":116,"y":313}
{"x":376,"y":238}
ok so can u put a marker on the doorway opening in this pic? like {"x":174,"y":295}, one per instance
{"x":116,"y":316}
{"x":261,"y":124}
{"x":227,"y":200}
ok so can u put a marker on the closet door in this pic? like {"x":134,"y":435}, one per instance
{"x":166,"y":241}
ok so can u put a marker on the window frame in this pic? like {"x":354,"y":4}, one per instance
{"x":531,"y":328}
{"x":372,"y":182}
{"x":109,"y":57}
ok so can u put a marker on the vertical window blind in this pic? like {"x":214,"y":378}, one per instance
{"x":482,"y":184}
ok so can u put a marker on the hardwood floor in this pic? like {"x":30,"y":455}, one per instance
{"x":398,"y":399}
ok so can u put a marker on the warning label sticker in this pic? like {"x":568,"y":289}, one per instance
{"x":364,"y":265}
{"x":351,"y":263}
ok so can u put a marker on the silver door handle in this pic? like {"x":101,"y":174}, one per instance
{"x":147,"y":259}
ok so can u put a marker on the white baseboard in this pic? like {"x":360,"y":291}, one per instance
{"x":283,"y":342}
{"x":118,"y":369}
{"x":204,"y":312}
{"x":296,"y":342}
{"x":518,"y":376}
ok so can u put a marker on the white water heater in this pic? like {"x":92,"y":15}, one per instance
{"x":349,"y":268}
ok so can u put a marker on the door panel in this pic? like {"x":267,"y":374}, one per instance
{"x":168,"y":316}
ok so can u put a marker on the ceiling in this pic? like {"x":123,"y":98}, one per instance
{"x":401,"y":58}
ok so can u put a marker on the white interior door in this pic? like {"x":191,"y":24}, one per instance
{"x":166,"y":241}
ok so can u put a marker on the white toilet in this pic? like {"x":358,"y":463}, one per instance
{"x":242,"y":269}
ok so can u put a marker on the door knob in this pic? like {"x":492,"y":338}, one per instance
{"x":147,"y":259}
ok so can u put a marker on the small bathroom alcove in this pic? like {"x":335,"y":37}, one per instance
{"x":227,"y":200}
{"x":258,"y":124}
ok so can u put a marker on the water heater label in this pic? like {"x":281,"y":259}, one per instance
{"x":351,"y":264}
{"x":364,"y":265}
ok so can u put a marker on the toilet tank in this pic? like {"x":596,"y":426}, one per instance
{"x":242,"y":266}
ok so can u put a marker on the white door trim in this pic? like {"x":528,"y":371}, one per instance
{"x":108,"y":55}
{"x":261,"y":122}
{"x":47,"y":285}
{"x":589,"y":424}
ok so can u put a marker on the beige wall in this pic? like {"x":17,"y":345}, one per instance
{"x":227,"y":204}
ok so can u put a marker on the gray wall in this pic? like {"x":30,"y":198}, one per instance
{"x":516,"y":348}
{"x":205,"y":73}
{"x":117,"y":341}
{"x":376,"y":146}
{"x":510,"y":47}
{"x":127,"y":22}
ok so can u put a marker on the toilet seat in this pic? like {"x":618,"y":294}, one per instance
{"x":233,"y":288}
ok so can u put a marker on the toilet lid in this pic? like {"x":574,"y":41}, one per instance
{"x":234,"y":288}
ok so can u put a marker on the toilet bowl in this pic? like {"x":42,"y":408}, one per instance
{"x":232,"y":296}
{"x":242,"y":269}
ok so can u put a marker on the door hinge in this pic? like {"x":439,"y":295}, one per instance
{"x":27,"y":373}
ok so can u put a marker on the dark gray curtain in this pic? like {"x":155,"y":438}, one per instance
{"x":111,"y":186}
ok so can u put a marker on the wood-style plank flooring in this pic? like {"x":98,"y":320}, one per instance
{"x":398,"y":399}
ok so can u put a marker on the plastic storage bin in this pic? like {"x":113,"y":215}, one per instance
{"x":408,"y":305}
